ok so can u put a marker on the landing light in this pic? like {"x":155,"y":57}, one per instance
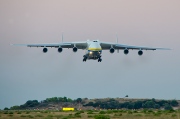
{"x":90,"y":52}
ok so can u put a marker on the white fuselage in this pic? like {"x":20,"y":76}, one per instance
{"x":94,"y":50}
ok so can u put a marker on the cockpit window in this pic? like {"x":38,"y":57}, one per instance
{"x":94,"y":41}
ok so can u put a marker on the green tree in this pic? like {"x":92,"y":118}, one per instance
{"x":69,"y":100}
{"x":79,"y":100}
{"x":138,"y":104}
{"x":15,"y":108}
{"x":156,"y":106}
{"x":6,"y":108}
{"x":31,"y":103}
{"x":65,"y":99}
{"x":162,"y":102}
{"x":174,"y":103}
{"x":167,"y":107}
{"x":130,"y":105}
{"x":149,"y":104}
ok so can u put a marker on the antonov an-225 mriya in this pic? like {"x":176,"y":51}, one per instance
{"x":93,"y":48}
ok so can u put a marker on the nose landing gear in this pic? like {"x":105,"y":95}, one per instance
{"x":99,"y":60}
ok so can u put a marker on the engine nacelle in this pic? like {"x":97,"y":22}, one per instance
{"x":75,"y":49}
{"x":111,"y":50}
{"x":126,"y":51}
{"x":45,"y":50}
{"x":60,"y":50}
{"x":140,"y":52}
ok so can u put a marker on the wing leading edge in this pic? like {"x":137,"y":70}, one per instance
{"x":107,"y":46}
{"x":79,"y":45}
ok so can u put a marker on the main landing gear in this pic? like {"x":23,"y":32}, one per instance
{"x":84,"y":59}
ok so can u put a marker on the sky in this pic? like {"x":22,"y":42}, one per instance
{"x":28,"y":73}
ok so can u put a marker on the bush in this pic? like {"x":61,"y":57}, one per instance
{"x":39,"y":115}
{"x":10,"y":112}
{"x":5,"y":112}
{"x":135,"y":111}
{"x":77,"y":113}
{"x":44,"y":112}
{"x":78,"y":116}
{"x":173,"y":115}
{"x":138,"y":115}
{"x":118,"y":114}
{"x":144,"y":111}
{"x":58,"y":116}
{"x":129,"y":112}
{"x":109,"y":112}
{"x":27,"y":112}
{"x":23,"y":116}
{"x":115,"y":111}
{"x":90,"y":116}
{"x":157,"y":114}
{"x":101,"y":117}
{"x":30,"y":116}
{"x":150,"y":111}
{"x":65,"y":118}
{"x":171,"y":111}
{"x":49,"y":115}
{"x":18,"y":112}
{"x":102,"y":112}
{"x":81,"y":111}
{"x":90,"y":112}
{"x":10,"y":115}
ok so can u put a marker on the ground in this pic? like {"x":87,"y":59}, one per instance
{"x":91,"y":114}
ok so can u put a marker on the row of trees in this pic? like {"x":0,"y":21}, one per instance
{"x":35,"y":103}
{"x":104,"y":104}
{"x":114,"y":104}
{"x":28,"y":104}
{"x":58,"y":99}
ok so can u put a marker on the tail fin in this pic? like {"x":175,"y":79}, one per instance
{"x":116,"y":39}
{"x":117,"y":42}
{"x":62,"y":37}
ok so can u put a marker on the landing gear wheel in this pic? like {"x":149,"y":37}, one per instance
{"x":99,"y":60}
{"x":84,"y":60}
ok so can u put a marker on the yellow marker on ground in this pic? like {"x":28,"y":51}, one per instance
{"x":68,"y":109}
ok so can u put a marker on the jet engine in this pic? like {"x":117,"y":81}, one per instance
{"x":45,"y":50}
{"x":140,"y":52}
{"x":111,"y":50}
{"x":60,"y":50}
{"x":126,"y":51}
{"x":75,"y":49}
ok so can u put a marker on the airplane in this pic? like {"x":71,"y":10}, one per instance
{"x":93,"y":48}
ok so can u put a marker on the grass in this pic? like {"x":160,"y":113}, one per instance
{"x":91,"y":114}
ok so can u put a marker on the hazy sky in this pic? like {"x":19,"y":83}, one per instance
{"x":27,"y":73}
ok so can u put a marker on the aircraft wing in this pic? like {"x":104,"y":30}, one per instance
{"x":107,"y":46}
{"x":79,"y":45}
